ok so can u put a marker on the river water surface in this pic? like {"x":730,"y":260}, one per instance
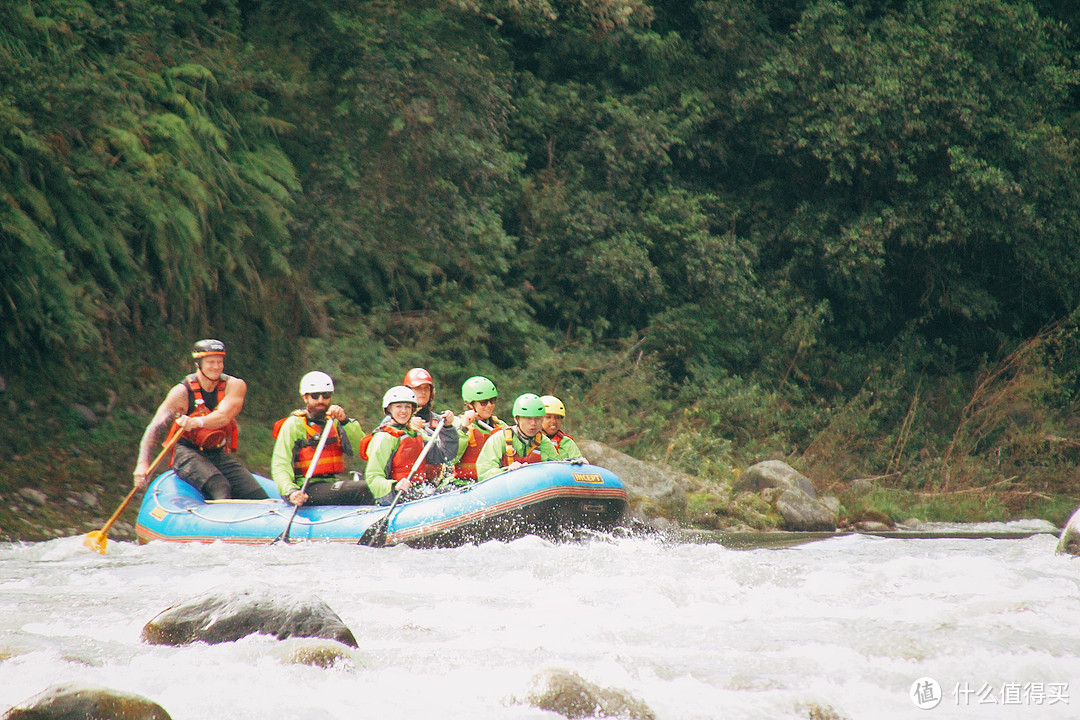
{"x":848,"y":625}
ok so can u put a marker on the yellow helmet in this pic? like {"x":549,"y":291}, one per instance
{"x":553,"y":405}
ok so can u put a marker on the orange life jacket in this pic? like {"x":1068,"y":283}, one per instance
{"x":532,"y":453}
{"x":366,"y":440}
{"x":466,"y":466}
{"x":331,"y":460}
{"x":557,"y":438}
{"x":206,"y":438}
{"x":408,"y":449}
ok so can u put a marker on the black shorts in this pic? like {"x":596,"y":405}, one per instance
{"x":218,"y":475}
{"x":339,"y":492}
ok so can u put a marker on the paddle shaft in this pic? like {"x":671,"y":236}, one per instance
{"x":378,"y":530}
{"x":307,"y":476}
{"x":419,"y":460}
{"x":164,"y":449}
{"x":109,"y":523}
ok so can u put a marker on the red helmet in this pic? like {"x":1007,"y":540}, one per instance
{"x":417,"y":377}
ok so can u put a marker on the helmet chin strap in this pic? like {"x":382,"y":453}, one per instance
{"x":198,"y":367}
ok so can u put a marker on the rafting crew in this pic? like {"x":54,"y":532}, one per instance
{"x":296,"y":442}
{"x":394,"y":447}
{"x":522,"y":444}
{"x":474,"y":426}
{"x":203,"y":407}
{"x":566,"y":447}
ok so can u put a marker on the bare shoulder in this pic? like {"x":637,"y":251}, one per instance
{"x":235,"y":386}
{"x":177,"y":397}
{"x":174,"y":404}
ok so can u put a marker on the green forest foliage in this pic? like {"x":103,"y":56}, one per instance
{"x":728,"y":229}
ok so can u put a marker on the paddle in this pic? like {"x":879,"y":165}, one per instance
{"x":284,"y":536}
{"x":375,"y":536}
{"x":97,"y":540}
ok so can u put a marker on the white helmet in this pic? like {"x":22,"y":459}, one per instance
{"x":396,"y":394}
{"x":315,"y":382}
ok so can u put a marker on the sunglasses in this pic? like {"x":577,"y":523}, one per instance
{"x":486,"y":402}
{"x":321,"y":395}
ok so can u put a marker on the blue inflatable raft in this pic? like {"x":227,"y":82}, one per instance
{"x":552,"y":499}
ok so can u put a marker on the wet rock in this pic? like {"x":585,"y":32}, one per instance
{"x":572,"y":696}
{"x":83,"y":499}
{"x":872,"y":520}
{"x":791,"y":495}
{"x":774,"y":474}
{"x":87,"y":417}
{"x":227,"y":615}
{"x":822,"y":712}
{"x":1069,"y":542}
{"x":871,"y":526}
{"x":73,"y":702}
{"x":802,"y":512}
{"x":832,"y":503}
{"x":653,"y":483}
{"x":318,"y":653}
{"x":33,"y":495}
{"x":6,"y":653}
{"x":756,"y":512}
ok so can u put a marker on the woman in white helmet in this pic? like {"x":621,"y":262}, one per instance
{"x":297,"y":437}
{"x":395,"y":445}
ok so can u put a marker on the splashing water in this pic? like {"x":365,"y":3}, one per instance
{"x":695,"y":631}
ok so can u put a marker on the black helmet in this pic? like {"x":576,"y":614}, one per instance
{"x":207,"y":347}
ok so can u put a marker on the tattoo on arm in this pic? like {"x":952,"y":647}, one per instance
{"x":158,"y":428}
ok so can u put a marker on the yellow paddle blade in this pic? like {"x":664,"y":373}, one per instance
{"x":96,"y":541}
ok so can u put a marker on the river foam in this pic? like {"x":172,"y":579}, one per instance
{"x":695,"y":631}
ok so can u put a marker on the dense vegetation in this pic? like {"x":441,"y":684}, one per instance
{"x":838,"y":232}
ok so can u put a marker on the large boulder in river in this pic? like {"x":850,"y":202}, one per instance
{"x":73,"y":702}
{"x":791,"y":494}
{"x":227,"y":615}
{"x":646,"y":483}
{"x":572,"y":696}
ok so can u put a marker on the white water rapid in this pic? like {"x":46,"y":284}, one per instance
{"x":695,"y":631}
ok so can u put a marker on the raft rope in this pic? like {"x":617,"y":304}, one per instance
{"x":279,"y":511}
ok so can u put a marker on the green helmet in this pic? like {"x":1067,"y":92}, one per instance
{"x":529,"y":405}
{"x":478,"y":388}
